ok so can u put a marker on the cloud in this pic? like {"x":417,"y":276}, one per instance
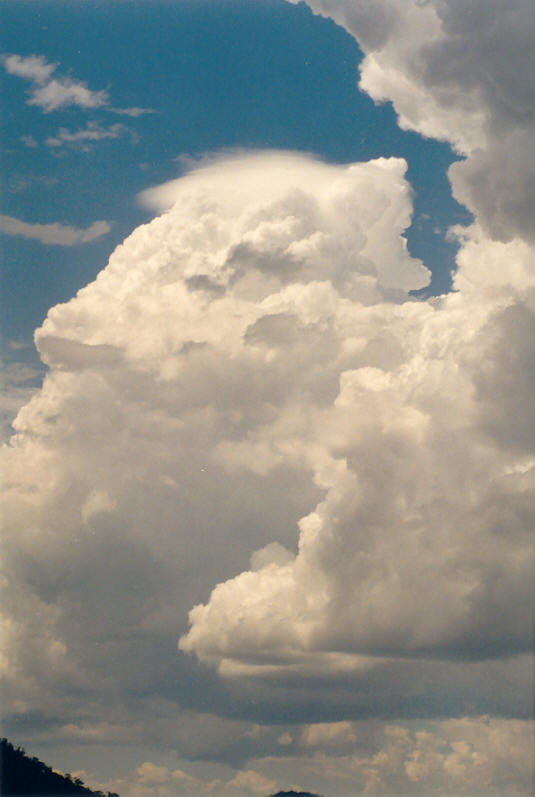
{"x":150,"y":779}
{"x":20,"y":183}
{"x":385,"y":534}
{"x":457,"y":756}
{"x":226,"y":293}
{"x":29,"y":141}
{"x":32,"y":67}
{"x":61,"y":93}
{"x":50,"y":93}
{"x":450,"y":71}
{"x":248,"y":414}
{"x":86,"y":137}
{"x":328,"y":734}
{"x":133,"y":112}
{"x":19,"y":382}
{"x":249,"y":380}
{"x":54,"y":93}
{"x":54,"y":234}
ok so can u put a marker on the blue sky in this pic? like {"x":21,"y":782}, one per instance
{"x":269,"y":507}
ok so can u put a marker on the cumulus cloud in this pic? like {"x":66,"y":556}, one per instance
{"x":457,"y":756}
{"x":452,"y":72}
{"x":423,"y":487}
{"x":248,"y":385}
{"x":464,"y":756}
{"x":150,"y":779}
{"x":328,"y":734}
{"x":20,"y":382}
{"x":55,"y":233}
{"x":419,"y":440}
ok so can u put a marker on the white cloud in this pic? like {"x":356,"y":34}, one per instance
{"x":468,"y":756}
{"x":133,"y":112}
{"x":150,"y":779}
{"x":328,"y":734}
{"x":61,"y":93}
{"x":412,"y":450}
{"x":50,"y":93}
{"x":19,"y":383}
{"x":84,"y":138}
{"x":250,"y":360}
{"x":222,"y":292}
{"x":53,"y":93}
{"x":54,"y":234}
{"x":428,"y":436}
{"x":31,"y":67}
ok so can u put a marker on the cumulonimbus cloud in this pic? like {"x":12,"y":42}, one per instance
{"x":250,"y":377}
{"x":260,"y":338}
{"x":420,"y":441}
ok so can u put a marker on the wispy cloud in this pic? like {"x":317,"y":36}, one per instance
{"x":29,"y":141}
{"x":49,"y":93}
{"x":61,"y":93}
{"x":21,"y":183}
{"x":84,"y":138}
{"x":133,"y":112}
{"x":53,"y":93}
{"x":54,"y":234}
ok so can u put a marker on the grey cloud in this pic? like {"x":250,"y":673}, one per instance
{"x":463,"y":73}
{"x":73,"y":355}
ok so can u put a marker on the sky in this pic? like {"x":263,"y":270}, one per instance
{"x":268,"y":304}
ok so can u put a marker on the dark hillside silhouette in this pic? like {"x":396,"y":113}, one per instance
{"x":21,"y":775}
{"x":295,"y":794}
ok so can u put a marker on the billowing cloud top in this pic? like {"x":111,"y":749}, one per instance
{"x":257,"y":340}
{"x":463,"y":73}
